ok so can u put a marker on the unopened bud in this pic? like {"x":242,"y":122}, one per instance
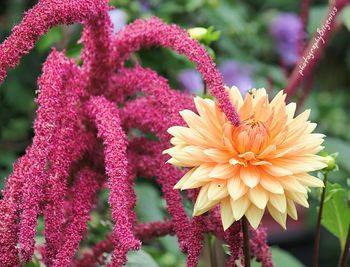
{"x":197,"y":33}
{"x":330,"y":161}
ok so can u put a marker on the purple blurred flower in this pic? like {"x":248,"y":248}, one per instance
{"x":145,"y":6}
{"x":236,"y":74}
{"x":286,"y":29}
{"x":191,"y":80}
{"x":118,"y":18}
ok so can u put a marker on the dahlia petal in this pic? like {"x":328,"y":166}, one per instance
{"x":291,"y":184}
{"x":217,"y":155}
{"x":300,"y":119}
{"x":262,"y":108}
{"x":226,"y":213}
{"x":177,"y":141}
{"x":228,"y":144}
{"x":192,"y":119}
{"x":217,"y":190}
{"x":178,"y":163}
{"x":203,"y":204}
{"x":276,"y":170}
{"x":258,"y":197}
{"x":240,"y":206}
{"x":311,"y":127}
{"x":260,"y":163}
{"x":309,"y":180}
{"x":250,"y":176}
{"x":233,"y":162}
{"x":247,"y":108}
{"x":236,"y":188}
{"x":278,"y":201}
{"x":188,"y":135}
{"x":184,"y":158}
{"x":184,"y":178}
{"x":291,"y":209}
{"x":279,"y":217}
{"x":247,"y":155}
{"x":202,"y":172}
{"x":211,"y":138}
{"x":235,"y":96}
{"x":310,"y":163}
{"x":197,"y":153}
{"x":267,"y":151}
{"x":271,"y":184}
{"x":254,"y":216}
{"x":206,"y":109}
{"x":192,"y":184}
{"x":299,"y":198}
{"x":277,"y":99}
{"x":294,"y":134}
{"x":222,"y":171}
{"x":242,"y":140}
{"x":290,"y":110}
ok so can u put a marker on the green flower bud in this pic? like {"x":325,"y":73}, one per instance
{"x":197,"y":33}
{"x":330,"y":160}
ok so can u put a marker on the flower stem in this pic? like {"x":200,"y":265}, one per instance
{"x":246,"y":249}
{"x":345,"y":252}
{"x":207,"y":252}
{"x":318,"y":227}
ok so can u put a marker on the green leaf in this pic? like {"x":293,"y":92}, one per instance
{"x":140,"y":259}
{"x":336,"y":212}
{"x":148,"y":206}
{"x":283,"y":258}
{"x":342,"y":147}
{"x":345,"y":16}
{"x":51,"y":37}
{"x":317,"y":14}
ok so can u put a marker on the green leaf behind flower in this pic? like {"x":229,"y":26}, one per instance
{"x":336,"y":213}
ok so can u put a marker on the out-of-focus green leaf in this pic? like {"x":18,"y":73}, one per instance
{"x":192,"y":5}
{"x":281,"y":258}
{"x":316,"y":16}
{"x":34,"y":263}
{"x":140,"y":259}
{"x":148,"y":203}
{"x":336,"y":212}
{"x":52,"y":36}
{"x":342,"y":147}
{"x":345,"y":16}
{"x":16,"y":129}
{"x":74,"y":51}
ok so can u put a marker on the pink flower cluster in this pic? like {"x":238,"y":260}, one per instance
{"x":82,"y":140}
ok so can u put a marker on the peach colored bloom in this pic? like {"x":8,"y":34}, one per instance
{"x":262,"y":163}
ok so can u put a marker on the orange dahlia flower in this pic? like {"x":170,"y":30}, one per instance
{"x":262,"y":163}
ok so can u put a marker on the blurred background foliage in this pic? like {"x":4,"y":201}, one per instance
{"x":244,"y":38}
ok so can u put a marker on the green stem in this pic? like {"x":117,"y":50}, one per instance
{"x":207,"y":253}
{"x":345,"y":252}
{"x":246,"y":249}
{"x":318,"y":226}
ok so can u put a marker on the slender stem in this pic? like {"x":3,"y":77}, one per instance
{"x":246,"y":249}
{"x":207,"y":253}
{"x":304,"y":15}
{"x":219,"y":253}
{"x":318,"y":227}
{"x":345,"y":253}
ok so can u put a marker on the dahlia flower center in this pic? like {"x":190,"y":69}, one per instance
{"x":252,"y":136}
